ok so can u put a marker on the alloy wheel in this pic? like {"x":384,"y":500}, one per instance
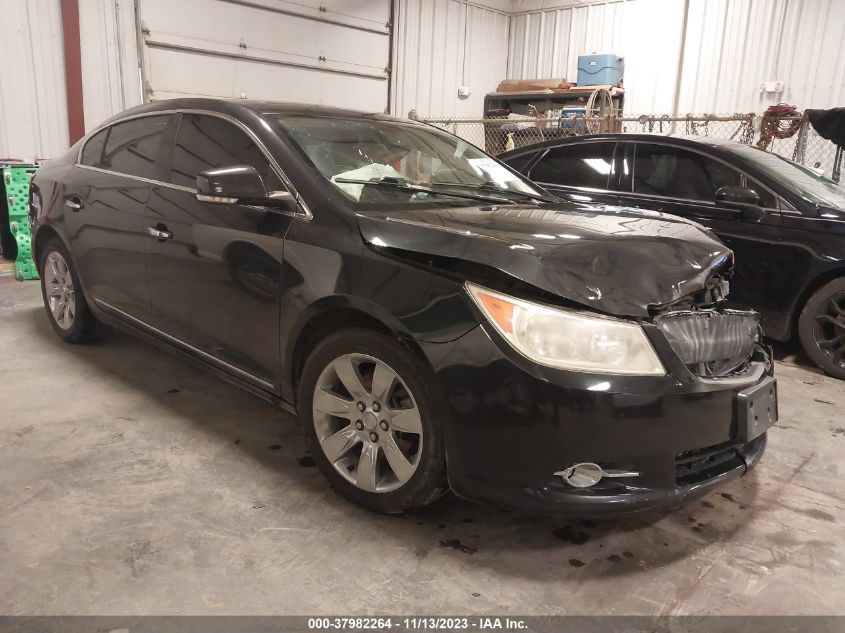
{"x":61,"y":296}
{"x":829,"y":329}
{"x":367,"y":422}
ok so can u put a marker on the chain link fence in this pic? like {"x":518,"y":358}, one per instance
{"x":792,"y":137}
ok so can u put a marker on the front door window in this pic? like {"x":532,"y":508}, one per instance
{"x":673,"y":172}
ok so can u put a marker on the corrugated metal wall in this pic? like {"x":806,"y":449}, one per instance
{"x":442,"y":45}
{"x":546,"y":44}
{"x":733,"y":45}
{"x":33,"y":117}
{"x":439,"y":46}
{"x":110,"y":79}
{"x":730,"y":47}
{"x":33,"y":110}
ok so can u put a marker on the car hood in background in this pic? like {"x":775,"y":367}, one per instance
{"x":616,"y":260}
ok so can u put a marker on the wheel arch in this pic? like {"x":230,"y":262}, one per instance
{"x":817,"y":282}
{"x":44,"y":235}
{"x":331,"y":315}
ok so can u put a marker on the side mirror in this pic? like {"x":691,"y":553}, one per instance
{"x":240,"y":184}
{"x":742,"y":199}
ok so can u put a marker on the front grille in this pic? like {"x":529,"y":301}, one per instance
{"x":711,"y":342}
{"x":692,"y":467}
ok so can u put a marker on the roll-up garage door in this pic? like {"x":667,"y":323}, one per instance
{"x":330,"y":52}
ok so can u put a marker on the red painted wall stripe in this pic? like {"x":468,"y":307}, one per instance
{"x":73,"y":70}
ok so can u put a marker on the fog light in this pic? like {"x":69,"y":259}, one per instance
{"x":589,"y":474}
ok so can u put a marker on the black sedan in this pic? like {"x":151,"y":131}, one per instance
{"x":784,"y":222}
{"x":435,"y":320}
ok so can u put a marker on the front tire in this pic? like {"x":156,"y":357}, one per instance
{"x":821,"y":328}
{"x":67,"y":309}
{"x":370,"y":413}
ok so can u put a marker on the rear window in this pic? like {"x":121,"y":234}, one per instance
{"x":92,"y":153}
{"x":132,"y":147}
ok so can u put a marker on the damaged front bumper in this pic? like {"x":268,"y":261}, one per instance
{"x":515,"y":426}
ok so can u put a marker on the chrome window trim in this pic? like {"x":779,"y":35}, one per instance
{"x":213,"y":359}
{"x":150,"y":181}
{"x":807,"y":217}
{"x":574,"y":189}
{"x":216,"y":199}
{"x":701,"y":203}
{"x":694,"y":150}
{"x":634,"y":194}
{"x":306,"y":211}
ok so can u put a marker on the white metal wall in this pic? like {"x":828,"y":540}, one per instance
{"x":33,"y":103}
{"x":546,"y":44}
{"x":33,"y":116}
{"x":730,"y":47}
{"x":442,"y":45}
{"x":733,"y":45}
{"x":110,"y":79}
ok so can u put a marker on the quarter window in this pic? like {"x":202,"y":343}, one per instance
{"x":587,"y":165}
{"x":207,"y":142}
{"x":92,"y":153}
{"x":520,"y":162}
{"x":674,"y":172}
{"x":132,"y":147}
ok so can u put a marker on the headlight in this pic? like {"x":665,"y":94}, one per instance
{"x":566,"y":339}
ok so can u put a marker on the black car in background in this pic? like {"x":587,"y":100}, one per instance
{"x":784,"y":222}
{"x":435,"y":319}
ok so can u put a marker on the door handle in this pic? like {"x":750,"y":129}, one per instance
{"x":74,"y":203}
{"x":159,"y":232}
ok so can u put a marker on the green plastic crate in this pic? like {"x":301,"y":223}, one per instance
{"x":16,"y":179}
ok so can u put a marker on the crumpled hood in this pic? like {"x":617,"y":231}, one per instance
{"x":613,"y":259}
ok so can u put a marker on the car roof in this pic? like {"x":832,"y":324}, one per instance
{"x":690,"y":140}
{"x":237,"y":106}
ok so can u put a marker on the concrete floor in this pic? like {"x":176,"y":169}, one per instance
{"x":133,"y":483}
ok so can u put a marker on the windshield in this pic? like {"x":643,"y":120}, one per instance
{"x":805,"y":182}
{"x":396,"y":163}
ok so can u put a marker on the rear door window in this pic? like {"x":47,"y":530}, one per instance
{"x":206,"y":142}
{"x":674,"y":172}
{"x":132,"y":147}
{"x":582,"y":165}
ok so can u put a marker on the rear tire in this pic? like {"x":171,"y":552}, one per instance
{"x":67,"y":309}
{"x":372,"y":418}
{"x":821,"y":328}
